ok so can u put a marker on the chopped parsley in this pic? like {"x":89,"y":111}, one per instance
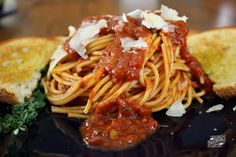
{"x":23,"y":113}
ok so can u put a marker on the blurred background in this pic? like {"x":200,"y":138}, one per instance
{"x":52,"y":17}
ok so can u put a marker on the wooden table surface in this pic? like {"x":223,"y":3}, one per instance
{"x":52,"y":17}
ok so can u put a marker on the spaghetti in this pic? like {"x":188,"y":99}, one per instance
{"x":153,"y":73}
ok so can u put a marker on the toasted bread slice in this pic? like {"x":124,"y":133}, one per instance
{"x":216,"y":50}
{"x":21,"y":60}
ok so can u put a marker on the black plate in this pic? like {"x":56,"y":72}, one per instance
{"x":196,"y":134}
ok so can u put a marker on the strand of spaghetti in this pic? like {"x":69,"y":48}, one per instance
{"x":176,"y":79}
{"x":96,"y":53}
{"x":103,"y":90}
{"x":64,"y":67}
{"x":113,"y":90}
{"x":62,"y":87}
{"x":177,"y":53}
{"x":180,"y":66}
{"x":167,"y":51}
{"x":52,"y":87}
{"x":100,"y":41}
{"x":189,"y":98}
{"x":98,"y":86}
{"x":60,"y":80}
{"x":93,"y":93}
{"x":148,"y":90}
{"x":170,"y":51}
{"x":201,"y":80}
{"x":87,"y":62}
{"x":155,"y":44}
{"x":198,"y":95}
{"x":141,"y":77}
{"x":65,"y":110}
{"x":184,"y":85}
{"x":156,"y":78}
{"x":98,"y":47}
{"x":69,"y":76}
{"x":70,"y":107}
{"x":45,"y":85}
{"x":124,"y":87}
{"x":76,"y":115}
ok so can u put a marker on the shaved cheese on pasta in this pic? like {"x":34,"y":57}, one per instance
{"x":171,"y":14}
{"x":84,"y":35}
{"x":176,"y":109}
{"x":124,"y":18}
{"x":58,"y":54}
{"x":135,"y":14}
{"x":72,"y":30}
{"x":151,"y":20}
{"x":129,"y":43}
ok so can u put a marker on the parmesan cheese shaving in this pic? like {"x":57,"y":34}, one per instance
{"x":72,"y":30}
{"x":124,"y":18}
{"x":151,"y":20}
{"x":84,"y":35}
{"x":171,"y":14}
{"x":135,"y":14}
{"x":234,"y":108}
{"x":176,"y":109}
{"x":129,"y":43}
{"x":215,"y":108}
{"x":58,"y":54}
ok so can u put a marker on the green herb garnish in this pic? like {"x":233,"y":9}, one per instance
{"x":23,"y":114}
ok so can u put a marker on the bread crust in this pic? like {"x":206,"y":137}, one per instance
{"x":8,"y":97}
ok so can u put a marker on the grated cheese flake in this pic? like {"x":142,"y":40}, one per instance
{"x":171,"y":14}
{"x":58,"y":54}
{"x":135,"y":14}
{"x":151,"y":20}
{"x":215,"y":108}
{"x":129,"y":43}
{"x":234,"y":108}
{"x":176,"y":109}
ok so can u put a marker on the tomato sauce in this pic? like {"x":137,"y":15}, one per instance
{"x":122,"y":66}
{"x":120,"y":125}
{"x":179,"y":38}
{"x":125,"y":65}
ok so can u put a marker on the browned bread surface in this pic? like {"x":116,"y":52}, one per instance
{"x":21,"y":60}
{"x":216,"y":50}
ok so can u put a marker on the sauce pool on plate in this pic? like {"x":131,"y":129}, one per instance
{"x":119,"y":125}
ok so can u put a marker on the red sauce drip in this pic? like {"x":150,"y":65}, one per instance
{"x":124,"y":65}
{"x":179,"y":38}
{"x":120,"y":125}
